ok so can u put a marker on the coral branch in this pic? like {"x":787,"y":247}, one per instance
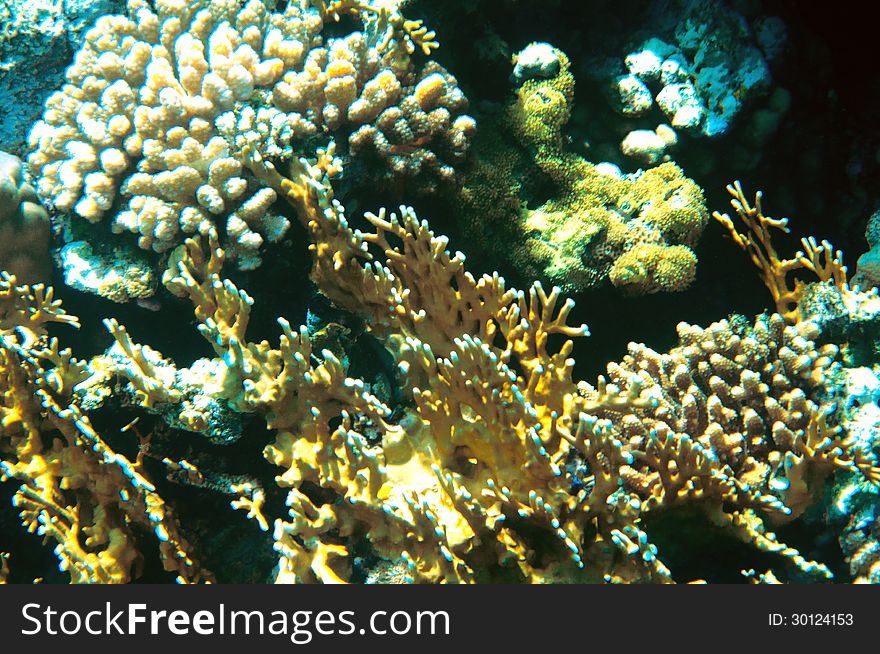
{"x":820,"y":259}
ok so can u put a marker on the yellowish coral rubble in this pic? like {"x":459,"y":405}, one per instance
{"x":498,"y":466}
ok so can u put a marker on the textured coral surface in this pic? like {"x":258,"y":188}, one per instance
{"x":214,"y":369}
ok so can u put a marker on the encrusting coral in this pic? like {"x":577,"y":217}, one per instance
{"x":636,"y":230}
{"x":159,"y":103}
{"x":499,"y":467}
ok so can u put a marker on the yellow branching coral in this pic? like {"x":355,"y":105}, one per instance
{"x":29,"y":307}
{"x":138,"y":376}
{"x":818,"y":258}
{"x":483,"y":447}
{"x":151,"y":386}
{"x":487,"y":460}
{"x":74,"y":488}
{"x":499,"y":444}
{"x":819,"y":451}
{"x":497,"y":465}
{"x":407,"y":35}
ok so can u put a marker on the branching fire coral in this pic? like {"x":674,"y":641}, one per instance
{"x":499,"y":444}
{"x":498,"y":466}
{"x":74,"y":489}
{"x":820,"y":259}
{"x":476,"y":456}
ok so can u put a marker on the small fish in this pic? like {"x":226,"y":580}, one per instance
{"x":150,"y":304}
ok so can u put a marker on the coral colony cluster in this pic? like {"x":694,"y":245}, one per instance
{"x":426,"y":424}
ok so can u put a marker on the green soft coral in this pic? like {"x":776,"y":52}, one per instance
{"x":585,"y":223}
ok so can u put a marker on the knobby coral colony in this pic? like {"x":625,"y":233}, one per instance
{"x":158,"y":104}
{"x":496,"y":465}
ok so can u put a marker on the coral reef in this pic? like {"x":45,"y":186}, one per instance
{"x":637,"y":230}
{"x":500,"y":466}
{"x":158,"y":105}
{"x":499,"y":445}
{"x":425,"y":424}
{"x":24,"y":225}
